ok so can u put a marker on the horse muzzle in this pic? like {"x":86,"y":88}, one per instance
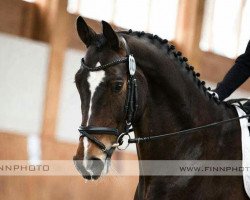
{"x":93,"y":170}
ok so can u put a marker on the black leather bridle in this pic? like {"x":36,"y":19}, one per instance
{"x":130,"y":108}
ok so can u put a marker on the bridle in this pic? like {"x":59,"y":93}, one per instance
{"x":130,"y":108}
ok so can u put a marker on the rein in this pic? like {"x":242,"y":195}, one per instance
{"x":130,"y":109}
{"x":191,"y":130}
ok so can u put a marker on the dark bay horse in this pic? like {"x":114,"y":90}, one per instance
{"x":170,"y":98}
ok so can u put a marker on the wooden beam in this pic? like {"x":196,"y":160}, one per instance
{"x":17,"y":17}
{"x":188,"y":31}
{"x":29,"y":12}
{"x":56,"y":32}
{"x":47,"y":16}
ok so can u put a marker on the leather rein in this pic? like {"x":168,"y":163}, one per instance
{"x":130,"y":109}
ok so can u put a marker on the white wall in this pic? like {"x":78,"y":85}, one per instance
{"x":23,"y":69}
{"x":69,"y":115}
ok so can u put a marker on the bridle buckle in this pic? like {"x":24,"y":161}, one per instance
{"x":131,"y":65}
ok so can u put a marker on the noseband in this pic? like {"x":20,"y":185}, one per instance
{"x":130,"y":108}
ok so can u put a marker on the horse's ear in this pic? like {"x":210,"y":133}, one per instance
{"x":110,"y":35}
{"x":86,"y":33}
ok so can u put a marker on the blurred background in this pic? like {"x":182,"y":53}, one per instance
{"x":40,"y":52}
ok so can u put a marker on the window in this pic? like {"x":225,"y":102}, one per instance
{"x":154,"y":16}
{"x":226,"y":27}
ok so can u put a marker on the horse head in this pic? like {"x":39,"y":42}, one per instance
{"x":108,"y":104}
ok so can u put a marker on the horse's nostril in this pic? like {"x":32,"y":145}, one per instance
{"x":94,"y":158}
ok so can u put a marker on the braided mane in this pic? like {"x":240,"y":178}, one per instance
{"x":177,"y":55}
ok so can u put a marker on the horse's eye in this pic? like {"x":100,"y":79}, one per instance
{"x":117,"y":86}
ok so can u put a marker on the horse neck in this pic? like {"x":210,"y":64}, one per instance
{"x":176,"y":99}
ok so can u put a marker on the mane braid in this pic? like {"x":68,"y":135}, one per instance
{"x":181,"y":59}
